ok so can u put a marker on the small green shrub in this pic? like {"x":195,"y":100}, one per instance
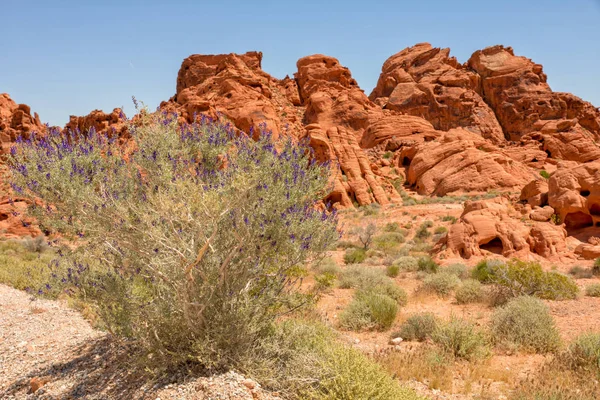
{"x":407,"y":263}
{"x":417,"y":327}
{"x":423,"y":230}
{"x":392,"y":270}
{"x":388,"y":154}
{"x":545,"y":174}
{"x":459,"y":270}
{"x":390,"y":289}
{"x":440,"y":283}
{"x":596,"y":267}
{"x":325,"y":280}
{"x":525,"y":323}
{"x":583,"y":352}
{"x":580,"y":272}
{"x":359,"y":277}
{"x":369,"y":310}
{"x":391,"y":227}
{"x":520,"y":278}
{"x":422,"y":247}
{"x":427,"y":224}
{"x":307,"y":361}
{"x":469,"y":291}
{"x":345,"y":244}
{"x":35,"y":245}
{"x":593,"y":290}
{"x":449,"y":218}
{"x":371,"y":209}
{"x":388,"y":241}
{"x":440,"y":230}
{"x":327,"y":265}
{"x":483,"y":270}
{"x":355,"y":256}
{"x":461,"y":339}
{"x":426,"y":264}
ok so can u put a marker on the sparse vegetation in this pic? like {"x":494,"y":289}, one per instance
{"x":580,"y":272}
{"x":407,"y":263}
{"x":440,"y":283}
{"x":440,"y":230}
{"x":545,"y":174}
{"x":25,"y":269}
{"x":365,"y":234}
{"x":426,"y":264}
{"x":392,"y":270}
{"x":369,"y":310}
{"x":460,"y":338}
{"x":525,"y":323}
{"x":469,"y":291}
{"x":355,"y":256}
{"x":583,"y":353}
{"x":417,"y":327}
{"x":449,"y":218}
{"x":459,"y":270}
{"x":388,"y":242}
{"x":593,"y":290}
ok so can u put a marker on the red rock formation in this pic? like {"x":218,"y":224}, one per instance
{"x":516,"y":89}
{"x":15,"y":120}
{"x":462,"y":161}
{"x":427,"y":82}
{"x":100,"y":121}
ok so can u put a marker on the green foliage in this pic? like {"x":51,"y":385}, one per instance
{"x":583,"y":353}
{"x":392,"y":270}
{"x":580,"y":272}
{"x":440,"y":283}
{"x":327,"y":265}
{"x":182,"y":232}
{"x":469,"y":291}
{"x":344,"y":244}
{"x":24,"y":269}
{"x":521,"y":278}
{"x":355,"y":256}
{"x":596,"y":267}
{"x":388,"y":242}
{"x":371,"y":209}
{"x":461,"y":339}
{"x":307,"y":361}
{"x":440,"y":230}
{"x":459,"y":270}
{"x":593,"y":290}
{"x":360,"y":277}
{"x":369,"y":310}
{"x":426,"y":264}
{"x":392,"y":227}
{"x":555,"y":219}
{"x":418,"y":327}
{"x":388,"y":154}
{"x":423,"y":231}
{"x":545,"y":174}
{"x":407,"y":263}
{"x":483,"y":270}
{"x":449,"y":218}
{"x":525,"y":323}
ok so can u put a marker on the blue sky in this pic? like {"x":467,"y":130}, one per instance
{"x":70,"y":57}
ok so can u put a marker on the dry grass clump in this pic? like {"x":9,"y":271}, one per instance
{"x":440,"y":283}
{"x":461,"y":339}
{"x":593,"y":290}
{"x":469,"y":291}
{"x":417,"y":327}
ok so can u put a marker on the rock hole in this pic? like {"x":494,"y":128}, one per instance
{"x":3,"y":217}
{"x":578,"y":220}
{"x":494,"y":246}
{"x":549,"y":154}
{"x":406,"y":161}
{"x":598,"y":224}
{"x":595,"y":209}
{"x":584,"y":193}
{"x":534,"y":159}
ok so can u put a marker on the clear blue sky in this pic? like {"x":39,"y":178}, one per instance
{"x":69,"y":57}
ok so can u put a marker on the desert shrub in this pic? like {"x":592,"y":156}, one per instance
{"x":440,"y":283}
{"x":35,"y":245}
{"x":324,"y":281}
{"x":388,"y":241}
{"x":427,"y":224}
{"x":525,"y":323}
{"x":388,"y":155}
{"x":520,"y":278}
{"x":392,"y":227}
{"x":307,"y":360}
{"x":596,"y":267}
{"x":469,"y":291}
{"x":192,"y":237}
{"x":593,"y":290}
{"x":583,"y":352}
{"x":345,"y":244}
{"x":369,"y":310}
{"x":27,"y":270}
{"x":390,"y":289}
{"x":371,"y":209}
{"x":407,"y":263}
{"x":449,"y":218}
{"x":483,"y":270}
{"x":580,"y":272}
{"x":461,"y":339}
{"x":545,"y":174}
{"x":392,"y":270}
{"x":357,"y":277}
{"x":459,"y":270}
{"x":440,"y":230}
{"x":327,"y":265}
{"x":365,"y":234}
{"x":423,"y":231}
{"x":417,"y":327}
{"x":355,"y":256}
{"x":426,"y":264}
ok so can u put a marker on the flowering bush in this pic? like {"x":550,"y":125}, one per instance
{"x":189,"y":238}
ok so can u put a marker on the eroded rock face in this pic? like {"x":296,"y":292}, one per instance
{"x":425,"y":81}
{"x":488,"y":227}
{"x":462,"y":161}
{"x":115,"y":122}
{"x":15,"y":120}
{"x":516,"y":89}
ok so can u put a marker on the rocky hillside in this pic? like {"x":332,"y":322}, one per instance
{"x":437,"y":126}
